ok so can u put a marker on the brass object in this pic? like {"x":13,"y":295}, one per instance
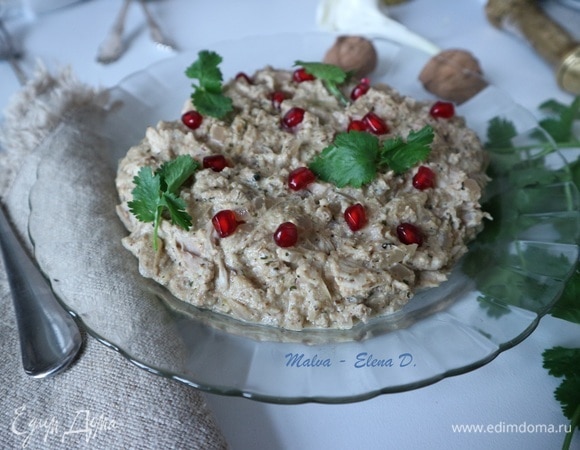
{"x":549,"y":39}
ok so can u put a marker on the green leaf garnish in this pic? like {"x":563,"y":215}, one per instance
{"x":560,"y":126}
{"x":207,"y":96}
{"x":354,"y":158}
{"x":561,"y":361}
{"x":350,"y":160}
{"x":565,"y":362}
{"x":155,"y":193}
{"x":500,"y":133}
{"x":400,"y":156}
{"x":568,"y":305}
{"x":332,"y":76}
{"x":558,"y":133}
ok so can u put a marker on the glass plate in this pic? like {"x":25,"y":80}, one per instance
{"x":494,"y":298}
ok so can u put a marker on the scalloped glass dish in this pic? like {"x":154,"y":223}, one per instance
{"x":494,"y":298}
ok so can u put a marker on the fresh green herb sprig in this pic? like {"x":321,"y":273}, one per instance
{"x":157,"y":193}
{"x":563,"y":362}
{"x":207,"y":96}
{"x":558,"y":133}
{"x":558,"y":125}
{"x":331,"y":76}
{"x":355,"y":157}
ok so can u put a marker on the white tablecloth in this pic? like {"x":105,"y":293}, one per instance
{"x":513,"y":389}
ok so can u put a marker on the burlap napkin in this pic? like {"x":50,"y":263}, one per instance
{"x":102,"y":400}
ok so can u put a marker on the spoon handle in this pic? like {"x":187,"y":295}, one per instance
{"x":49,"y":336}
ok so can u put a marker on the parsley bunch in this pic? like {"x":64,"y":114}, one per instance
{"x":207,"y":96}
{"x":355,"y":157}
{"x":156,"y":193}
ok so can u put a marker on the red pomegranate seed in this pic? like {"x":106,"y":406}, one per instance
{"x":277,"y":98}
{"x":443,"y":110}
{"x":286,"y":235}
{"x":243,"y":76}
{"x":192,"y":119}
{"x":293,"y":117}
{"x":356,"y":125}
{"x":360,"y":89}
{"x":300,"y":178}
{"x":225,"y":222}
{"x":375,"y":124}
{"x":217,"y":163}
{"x":409,"y":234}
{"x":424,"y":178}
{"x":301,"y":75}
{"x":355,"y":217}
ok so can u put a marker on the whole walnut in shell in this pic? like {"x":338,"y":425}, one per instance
{"x":453,"y":75}
{"x":354,"y":54}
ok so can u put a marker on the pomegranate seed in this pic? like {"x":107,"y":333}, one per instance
{"x":293,"y":117}
{"x":409,"y":234}
{"x":443,"y":110}
{"x":301,"y":75}
{"x":375,"y":124}
{"x":356,"y":125}
{"x":277,"y":98}
{"x":300,"y":178}
{"x":192,"y":119}
{"x":243,"y":76}
{"x":225,"y":222}
{"x":359,"y":90}
{"x":217,"y":163}
{"x":424,"y":178}
{"x":355,"y":217}
{"x":286,"y":235}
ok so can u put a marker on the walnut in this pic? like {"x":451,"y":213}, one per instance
{"x":453,"y":75}
{"x":353,"y":54}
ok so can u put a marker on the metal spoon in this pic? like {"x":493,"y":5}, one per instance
{"x":49,"y":337}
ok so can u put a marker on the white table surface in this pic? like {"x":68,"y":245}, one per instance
{"x":513,"y":389}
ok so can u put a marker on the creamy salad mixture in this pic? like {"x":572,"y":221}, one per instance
{"x":264,"y":252}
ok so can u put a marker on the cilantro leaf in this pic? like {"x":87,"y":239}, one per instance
{"x":323,"y":71}
{"x":145,"y":195}
{"x":207,"y":96}
{"x":350,"y":160}
{"x":332,"y":76}
{"x":562,"y":361}
{"x":568,"y":305}
{"x":206,"y":70}
{"x":400,"y":156}
{"x":568,"y":394}
{"x":500,"y":133}
{"x":175,"y":172}
{"x":560,"y":127}
{"x":354,"y":157}
{"x":212,"y":104}
{"x":156,"y":192}
{"x":554,"y":107}
{"x":565,"y":362}
{"x":176,"y":207}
